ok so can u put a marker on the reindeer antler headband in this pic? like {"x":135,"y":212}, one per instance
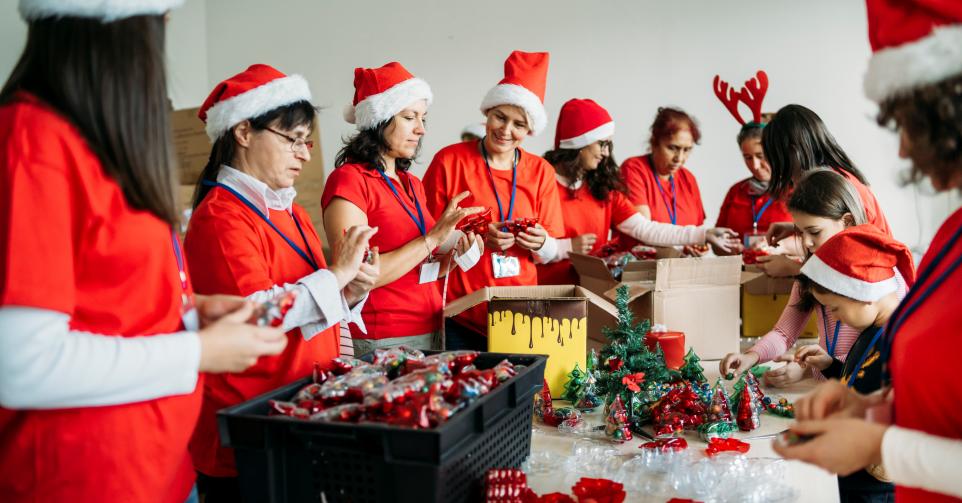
{"x":751,"y":94}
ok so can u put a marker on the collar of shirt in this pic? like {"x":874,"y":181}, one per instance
{"x":256,"y":191}
{"x":567,"y":182}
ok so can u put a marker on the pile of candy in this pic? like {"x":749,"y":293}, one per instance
{"x":617,"y":260}
{"x":510,"y":485}
{"x":271,"y":313}
{"x":400,"y":387}
{"x":521,"y":224}
{"x":477,"y":223}
{"x":750,"y":255}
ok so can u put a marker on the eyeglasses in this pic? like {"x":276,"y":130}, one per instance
{"x":296,"y":143}
{"x":605,"y":144}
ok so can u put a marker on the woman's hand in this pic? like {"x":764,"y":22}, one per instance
{"x":790,"y":373}
{"x":736,"y":363}
{"x":365,"y":280}
{"x":532,"y":238}
{"x":813,"y":356}
{"x":497,"y":239}
{"x":348,"y":253}
{"x":832,"y":399}
{"x":584,"y":243}
{"x":723,"y":241}
{"x":779,"y":231}
{"x":841,"y":446}
{"x":211,"y":308}
{"x":779,"y":266}
{"x":467,"y":241}
{"x":230,"y":344}
{"x":449,"y":219}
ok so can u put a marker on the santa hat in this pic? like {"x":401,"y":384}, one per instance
{"x":251,"y":93}
{"x":380,"y":93}
{"x":525,"y":78}
{"x":858,"y":263}
{"x":104,"y":10}
{"x":914,"y":43}
{"x":581,"y":123}
{"x":478,"y":129}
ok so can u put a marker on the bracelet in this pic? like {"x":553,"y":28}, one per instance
{"x":428,"y":247}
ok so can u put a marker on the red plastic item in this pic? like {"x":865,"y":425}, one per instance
{"x":477,"y":223}
{"x":717,"y":445}
{"x":666,"y":444}
{"x":519,"y":225}
{"x":750,"y":256}
{"x":672,"y":344}
{"x":599,"y":491}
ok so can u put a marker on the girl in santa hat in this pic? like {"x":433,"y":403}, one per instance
{"x":853,"y":276}
{"x":592,"y":195}
{"x":748,"y":208}
{"x":823,"y":204}
{"x":513,"y":183}
{"x":247,"y":237}
{"x":795,"y":141}
{"x":659,"y":184}
{"x":915,"y":426}
{"x":99,"y":345}
{"x":372,"y":185}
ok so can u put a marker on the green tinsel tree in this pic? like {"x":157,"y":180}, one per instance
{"x":692,"y":370}
{"x":575,"y":386}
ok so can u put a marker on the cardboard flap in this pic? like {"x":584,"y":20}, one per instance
{"x":486,"y":294}
{"x":587,"y":265}
{"x":750,"y":276}
{"x":635,"y":289}
{"x":698,"y":271}
{"x":597,"y":301}
{"x":461,"y":305}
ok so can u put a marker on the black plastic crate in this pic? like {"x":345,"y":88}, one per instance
{"x":280,"y":459}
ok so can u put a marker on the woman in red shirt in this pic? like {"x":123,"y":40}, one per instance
{"x":592,"y":199}
{"x":659,"y":184}
{"x":372,"y":185}
{"x":512,"y":182}
{"x":915,"y":431}
{"x":99,"y":343}
{"x":247,"y":237}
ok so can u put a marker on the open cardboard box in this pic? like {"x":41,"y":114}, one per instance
{"x":762,"y":300}
{"x":698,"y":296}
{"x":192,"y":150}
{"x":553,"y":320}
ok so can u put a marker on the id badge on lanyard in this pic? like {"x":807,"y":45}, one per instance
{"x":754,"y":239}
{"x":505,"y":266}
{"x":429,"y":271}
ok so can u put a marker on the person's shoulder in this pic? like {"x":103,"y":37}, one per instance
{"x":459,"y":150}
{"x":39,"y":130}
{"x":634,"y":162}
{"x":351,"y":172}
{"x":220,"y":205}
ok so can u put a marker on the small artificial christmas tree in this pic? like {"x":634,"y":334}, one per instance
{"x":692,"y":370}
{"x":575,"y":386}
{"x":748,"y":407}
{"x":616,"y":423}
{"x":590,"y":399}
{"x":720,"y":407}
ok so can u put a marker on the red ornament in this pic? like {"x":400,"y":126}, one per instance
{"x":642,"y":252}
{"x":747,"y":418}
{"x":666,"y":444}
{"x":717,"y":445}
{"x":598,"y":491}
{"x":521,"y":224}
{"x":614,"y":363}
{"x":477,"y":223}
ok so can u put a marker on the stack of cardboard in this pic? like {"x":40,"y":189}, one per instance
{"x":192,"y":149}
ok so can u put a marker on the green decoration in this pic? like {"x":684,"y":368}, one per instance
{"x":575,"y":386}
{"x":692,"y":369}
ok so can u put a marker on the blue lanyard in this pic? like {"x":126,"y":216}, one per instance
{"x":419,"y":220}
{"x":868,"y":351}
{"x":494,"y":188}
{"x":673,"y":210}
{"x":308,"y":256}
{"x":830,"y":346}
{"x":179,"y":255}
{"x":758,"y":216}
{"x":906,"y":308}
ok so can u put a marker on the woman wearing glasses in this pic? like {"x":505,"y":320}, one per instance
{"x":247,"y":237}
{"x":592,"y":196}
{"x":659,"y":184}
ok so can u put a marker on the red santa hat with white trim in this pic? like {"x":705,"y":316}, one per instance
{"x":582,"y":122}
{"x":860,"y":263}
{"x":249,"y":94}
{"x":523,"y":85}
{"x":104,"y":10}
{"x":914,"y":43}
{"x":380,"y":93}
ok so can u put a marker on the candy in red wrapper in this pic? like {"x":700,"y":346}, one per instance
{"x":717,"y":445}
{"x":504,"y":370}
{"x":452,"y":362}
{"x":519,"y":225}
{"x":617,"y":424}
{"x":344,"y":364}
{"x":750,"y":255}
{"x":642,"y":252}
{"x":680,"y":409}
{"x":271,"y":313}
{"x":507,"y":485}
{"x":289,"y":409}
{"x":347,"y":413}
{"x":666,"y":444}
{"x":352,"y":386}
{"x":477,"y":223}
{"x":599,"y":491}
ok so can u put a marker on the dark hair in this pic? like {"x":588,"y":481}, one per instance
{"x":368,"y":145}
{"x":932,"y":118}
{"x":669,"y":121}
{"x":601,"y":180}
{"x":109,"y":81}
{"x":299,"y":113}
{"x":795,"y":141}
{"x":826,"y":194}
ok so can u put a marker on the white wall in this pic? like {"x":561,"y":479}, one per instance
{"x":630,"y":55}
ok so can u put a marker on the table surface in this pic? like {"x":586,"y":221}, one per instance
{"x":811,"y":482}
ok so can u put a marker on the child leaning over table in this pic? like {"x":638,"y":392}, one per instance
{"x":853,"y":276}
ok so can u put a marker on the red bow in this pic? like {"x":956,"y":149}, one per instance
{"x":717,"y":445}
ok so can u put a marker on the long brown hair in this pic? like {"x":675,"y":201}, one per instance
{"x":601,"y":180}
{"x":109,"y":81}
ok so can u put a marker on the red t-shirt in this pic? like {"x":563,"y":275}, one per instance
{"x":873,"y":212}
{"x":927,"y":388}
{"x":740,"y":207}
{"x":643,"y":189}
{"x":233,"y":251}
{"x":460,"y":167}
{"x":583,"y":214}
{"x":405,"y":307}
{"x":72,"y":244}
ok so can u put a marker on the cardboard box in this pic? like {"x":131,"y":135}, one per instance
{"x":763,"y":299}
{"x":697,"y":296}
{"x":553,"y":320}
{"x":192,"y":149}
